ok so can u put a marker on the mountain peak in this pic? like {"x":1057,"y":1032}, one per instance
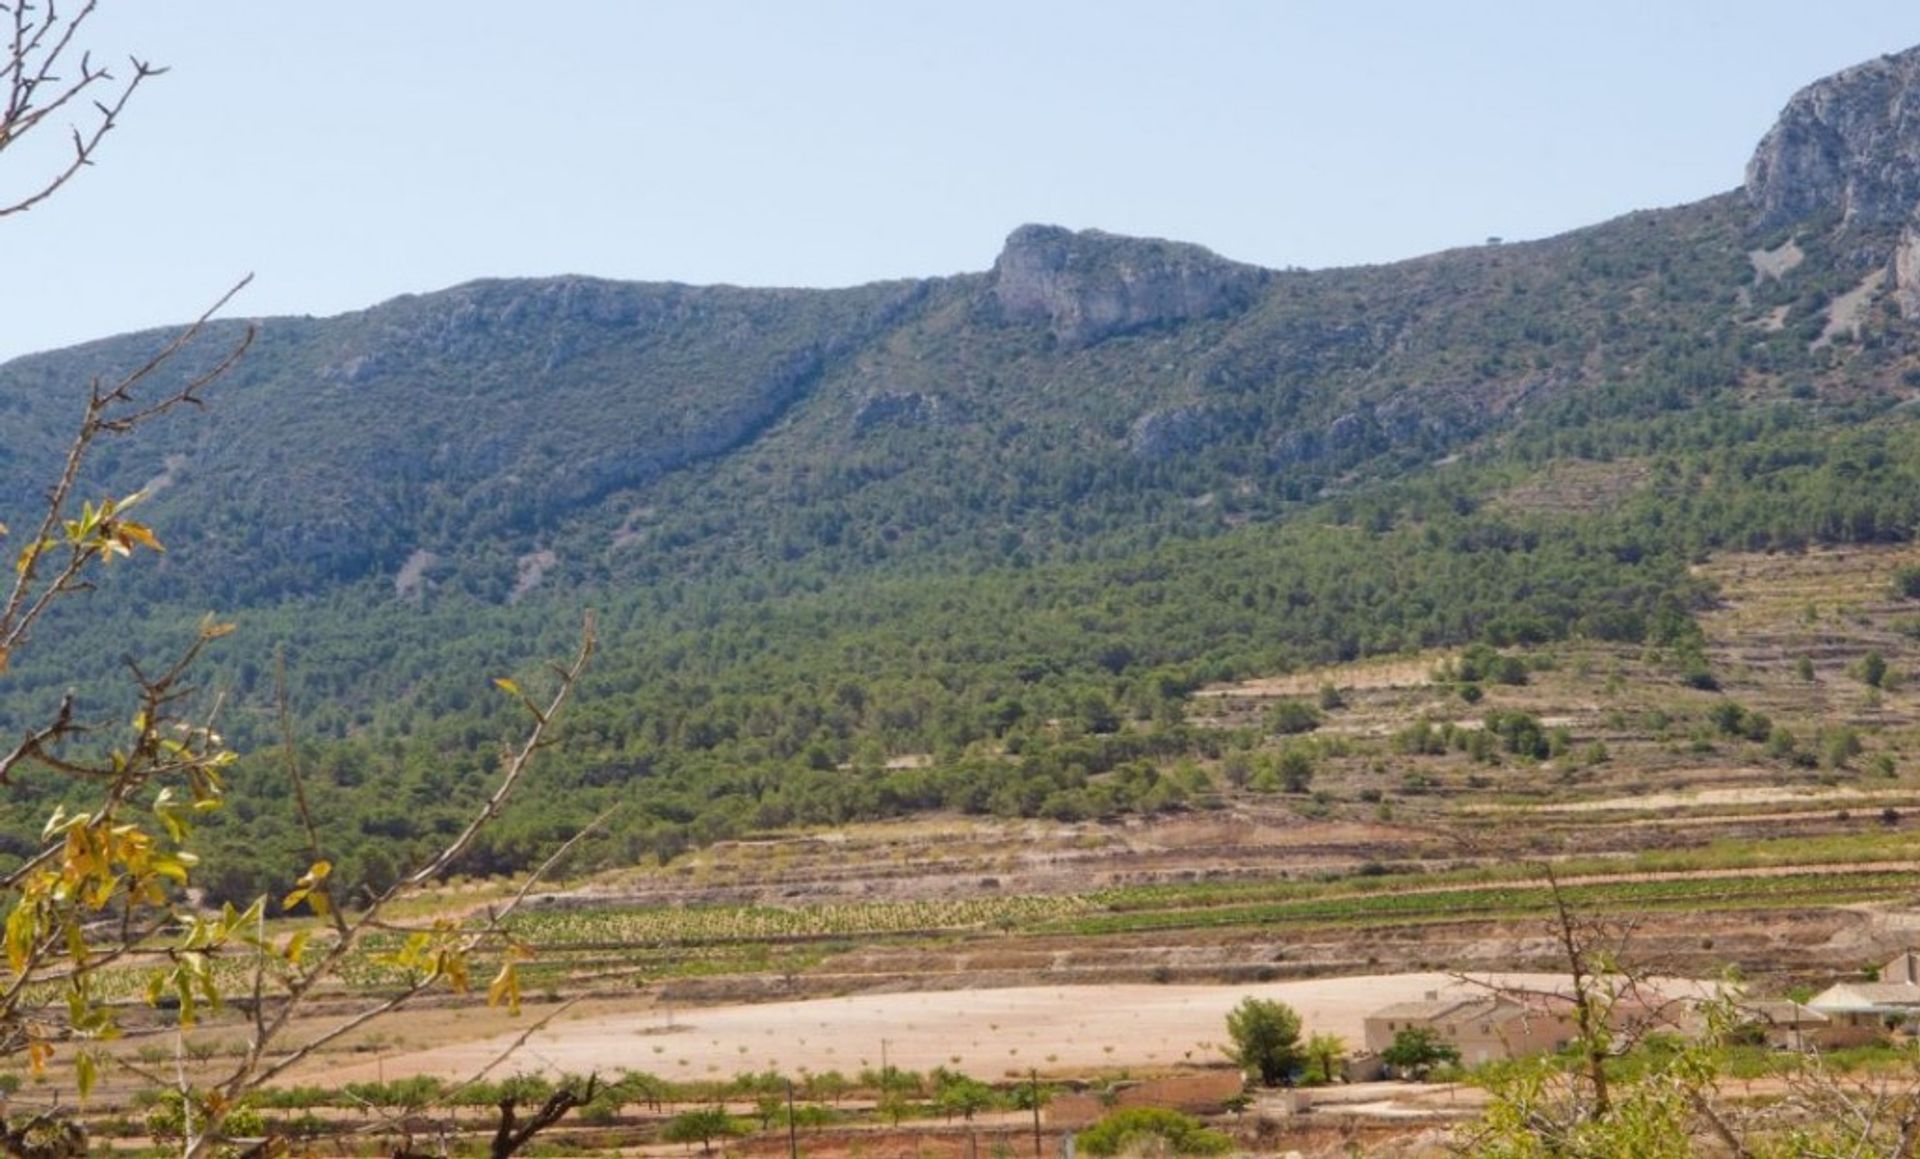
{"x":1846,"y":146}
{"x":1091,"y":285}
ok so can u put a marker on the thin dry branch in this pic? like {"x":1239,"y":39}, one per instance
{"x":254,"y":1069}
{"x":512,"y":1049}
{"x":517,"y":763}
{"x":40,"y":85}
{"x":112,"y":408}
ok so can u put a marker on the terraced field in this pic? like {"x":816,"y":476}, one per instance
{"x":1767,"y":824}
{"x":1777,"y":803}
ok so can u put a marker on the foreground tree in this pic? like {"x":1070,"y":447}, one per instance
{"x":105,"y":893}
{"x":1671,"y":1104}
{"x":50,"y":80}
{"x":1266,"y":1039}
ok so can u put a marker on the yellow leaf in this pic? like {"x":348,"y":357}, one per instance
{"x":85,"y":1073}
{"x":212,"y":629}
{"x":506,"y":685}
{"x":30,"y":553}
{"x":454,"y":966}
{"x":505,"y":987}
{"x":139,"y":533}
{"x":22,"y":927}
{"x":296,"y":945}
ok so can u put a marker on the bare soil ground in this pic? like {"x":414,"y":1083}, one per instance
{"x":1057,"y":1030}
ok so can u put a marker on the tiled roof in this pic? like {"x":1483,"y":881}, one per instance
{"x":1448,"y":1011}
{"x":1860,"y":995}
{"x":1784,"y":1013}
{"x":1431,"y":1010}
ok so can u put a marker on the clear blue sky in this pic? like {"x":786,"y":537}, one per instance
{"x":349,"y":151}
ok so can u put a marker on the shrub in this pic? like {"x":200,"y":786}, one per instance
{"x":1296,"y":771}
{"x":1127,"y":1129}
{"x":1840,"y":746}
{"x":1291,"y":717}
{"x":1520,"y":733}
{"x":1728,"y":717}
{"x":1698,"y":676}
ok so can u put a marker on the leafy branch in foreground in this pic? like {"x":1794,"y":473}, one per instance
{"x":113,"y":861}
{"x":1585,"y":1102}
{"x":285,"y":973}
{"x":106,"y":886}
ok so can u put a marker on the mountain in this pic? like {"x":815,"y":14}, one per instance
{"x":827,"y":528}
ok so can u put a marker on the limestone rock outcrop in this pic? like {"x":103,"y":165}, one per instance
{"x":1846,"y":146}
{"x":1091,"y":285}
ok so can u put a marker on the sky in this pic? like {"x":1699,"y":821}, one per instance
{"x":350,"y":151}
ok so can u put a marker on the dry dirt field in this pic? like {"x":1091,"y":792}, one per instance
{"x":992,"y":1033}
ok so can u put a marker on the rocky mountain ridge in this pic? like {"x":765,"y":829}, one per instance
{"x":1847,"y":149}
{"x":989,"y":522}
{"x":495,"y":421}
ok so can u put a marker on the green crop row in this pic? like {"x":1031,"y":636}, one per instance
{"x":1505,"y":901}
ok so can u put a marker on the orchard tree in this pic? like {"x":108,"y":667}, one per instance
{"x":702,"y":1125}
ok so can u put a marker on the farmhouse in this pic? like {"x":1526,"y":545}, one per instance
{"x":1482,"y":1027}
{"x":1861,"y":1011}
{"x":1788,"y":1025}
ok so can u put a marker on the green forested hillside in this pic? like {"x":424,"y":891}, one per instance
{"x":1001,"y":523}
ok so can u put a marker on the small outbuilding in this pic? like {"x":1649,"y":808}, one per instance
{"x":1860,"y":1012}
{"x":1787,"y":1025}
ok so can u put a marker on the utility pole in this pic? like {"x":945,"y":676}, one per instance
{"x":1033,"y":1078}
{"x":793,"y":1131}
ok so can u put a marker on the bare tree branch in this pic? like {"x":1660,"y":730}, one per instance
{"x":39,"y":85}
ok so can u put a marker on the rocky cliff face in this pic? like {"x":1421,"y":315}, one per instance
{"x":1847,"y":146}
{"x":1091,"y":285}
